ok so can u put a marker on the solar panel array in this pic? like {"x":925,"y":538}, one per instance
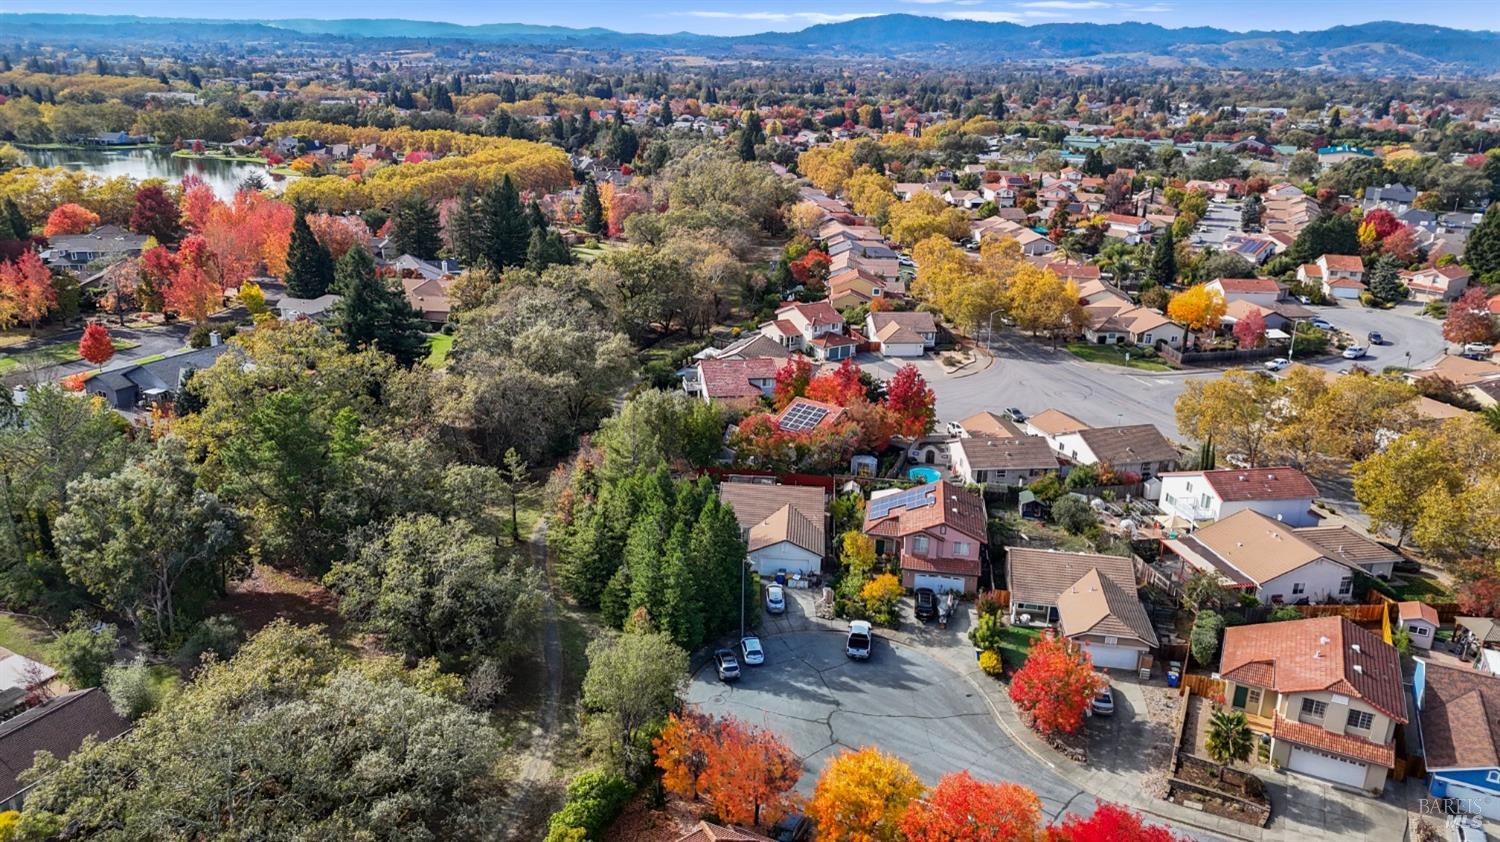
{"x":802,"y":416}
{"x":911,"y":498}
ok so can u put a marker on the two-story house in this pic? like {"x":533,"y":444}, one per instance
{"x":1328,"y":692}
{"x":1202,"y":497}
{"x":1339,"y":275}
{"x":736,"y":382}
{"x":812,"y":326}
{"x":1437,"y":283}
{"x":935,"y":530}
{"x":1262,"y":291}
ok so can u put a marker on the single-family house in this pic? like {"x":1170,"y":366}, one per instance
{"x":1051,"y":424}
{"x":1262,"y":291}
{"x":783,"y":525}
{"x":1091,"y":598}
{"x":707,"y":831}
{"x":739,"y":382}
{"x":1202,"y":497}
{"x":746,"y":347}
{"x":1437,"y":283}
{"x":986,"y":424}
{"x":934,"y":530}
{"x":1329,"y":156}
{"x":1460,"y":735}
{"x":813,"y":326}
{"x":133,"y":384}
{"x":1131,"y":229}
{"x":1480,"y":379}
{"x":58,"y":726}
{"x":1113,"y":323}
{"x":1034,"y":244}
{"x":1138,"y":449}
{"x":1328,"y":692}
{"x":1280,"y":564}
{"x":1420,"y":621}
{"x":1339,"y":275}
{"x":854,"y":287}
{"x":1001,"y":462}
{"x":429,"y":297}
{"x":904,"y":334}
{"x":75,"y":251}
{"x":290,"y":309}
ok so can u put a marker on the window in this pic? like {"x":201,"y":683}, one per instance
{"x":1252,"y":698}
{"x":1346,"y":586}
{"x":1419,"y":631}
{"x":1313,"y":707}
{"x":1203,"y":502}
{"x":961,"y":548}
{"x":919,"y":544}
{"x":1297,"y":588}
{"x":1492,"y":776}
{"x":1361,"y":720}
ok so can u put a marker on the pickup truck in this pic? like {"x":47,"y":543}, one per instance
{"x":858,"y":645}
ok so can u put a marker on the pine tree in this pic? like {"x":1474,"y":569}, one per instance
{"x":747,"y":145}
{"x":534,"y":216}
{"x":516,"y":475}
{"x":463,"y":232}
{"x":373,"y":312}
{"x":1164,"y":260}
{"x":417,"y":230}
{"x":506,"y":233}
{"x":679,"y":609}
{"x":593,"y":209}
{"x":1385,"y":283}
{"x":13,"y":225}
{"x":309,"y":265}
{"x":1482,"y":250}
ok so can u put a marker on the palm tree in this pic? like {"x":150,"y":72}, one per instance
{"x":1229,"y":738}
{"x":1491,"y":416}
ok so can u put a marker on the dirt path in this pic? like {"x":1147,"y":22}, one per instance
{"x":535,"y":792}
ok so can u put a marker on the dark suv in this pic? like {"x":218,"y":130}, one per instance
{"x":926,"y":604}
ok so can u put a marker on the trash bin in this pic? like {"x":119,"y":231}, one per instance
{"x":1173,"y":679}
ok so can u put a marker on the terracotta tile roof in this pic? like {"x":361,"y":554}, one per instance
{"x":1460,"y":714}
{"x":731,"y":378}
{"x":1129,"y":444}
{"x":1461,"y":370}
{"x":991,"y":453}
{"x":1097,"y":604}
{"x":1318,"y":654}
{"x":935,"y":504}
{"x":1413,"y":610}
{"x":1347,"y":745}
{"x":1346,"y":283}
{"x":989,"y":424}
{"x":1248,"y":285}
{"x":1343,"y":262}
{"x":1054,"y":422}
{"x":709,"y":832}
{"x":949,"y":566}
{"x":1256,"y":483}
{"x":1040,"y":576}
{"x":815,"y":312}
{"x":1312,"y":270}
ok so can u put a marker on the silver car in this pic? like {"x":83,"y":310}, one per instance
{"x":775,"y":600}
{"x":751,"y":652}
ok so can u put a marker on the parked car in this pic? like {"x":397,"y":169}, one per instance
{"x":1302,"y":299}
{"x":1354,"y":352}
{"x":775,"y":600}
{"x":1103,"y":703}
{"x":926,"y":604}
{"x":858,"y":644}
{"x":1320,"y":324}
{"x":751,"y":652}
{"x":728,"y":666}
{"x":1015,"y":415}
{"x":1467,"y":829}
{"x":1478,"y":350}
{"x":792,"y":828}
{"x":1277,"y":364}
{"x":1374,"y":338}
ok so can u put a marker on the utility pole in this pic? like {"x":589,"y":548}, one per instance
{"x":742,"y":599}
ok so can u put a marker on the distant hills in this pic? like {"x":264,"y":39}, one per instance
{"x":1379,"y":47}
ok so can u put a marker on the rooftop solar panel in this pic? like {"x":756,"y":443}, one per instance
{"x":911,"y":498}
{"x":801,"y":416}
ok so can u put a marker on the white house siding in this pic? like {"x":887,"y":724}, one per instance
{"x":1294,"y":513}
{"x":1320,"y":581}
{"x":785,"y":556}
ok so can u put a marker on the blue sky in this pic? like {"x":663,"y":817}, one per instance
{"x":737,"y":17}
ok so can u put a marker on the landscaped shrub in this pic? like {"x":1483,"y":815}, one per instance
{"x":595,"y":798}
{"x":988,"y":604}
{"x":988,"y":633}
{"x":990,"y":662}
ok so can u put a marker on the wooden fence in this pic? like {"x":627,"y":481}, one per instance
{"x":1190,"y":358}
{"x":1447,"y":611}
{"x":1202,"y":685}
{"x":1358,"y":613}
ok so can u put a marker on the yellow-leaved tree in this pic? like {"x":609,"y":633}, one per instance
{"x":1043,"y":303}
{"x":1199,"y":307}
{"x":965,"y":290}
{"x":922,"y":216}
{"x":862,"y":797}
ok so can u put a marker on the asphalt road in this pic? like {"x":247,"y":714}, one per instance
{"x":153,"y":341}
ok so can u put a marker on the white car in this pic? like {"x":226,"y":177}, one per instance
{"x":751,"y":653}
{"x":1277,"y":364}
{"x":1478,"y":349}
{"x":775,"y":600}
{"x":1354,"y":352}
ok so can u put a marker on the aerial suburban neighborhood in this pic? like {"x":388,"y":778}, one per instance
{"x":934,"y":421}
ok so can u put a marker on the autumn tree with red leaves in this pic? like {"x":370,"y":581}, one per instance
{"x":96,"y":346}
{"x":791,"y":381}
{"x":962,"y":809}
{"x":745,"y":774}
{"x":191,"y":292}
{"x":156,"y":215}
{"x":1056,"y":684}
{"x":842,"y":386}
{"x":197,"y":202}
{"x":1469,"y":319}
{"x":911,"y":402}
{"x":338,"y":234}
{"x":1109,"y":823}
{"x":1382,"y":221}
{"x":811,"y":269}
{"x":70,"y":219}
{"x":1250,"y":331}
{"x":26,"y":291}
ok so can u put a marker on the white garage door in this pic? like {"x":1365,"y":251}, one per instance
{"x":940,"y":584}
{"x":1329,"y":767}
{"x":1112,"y":657}
{"x":891,"y":349}
{"x":784,"y":556}
{"x":1487,"y":803}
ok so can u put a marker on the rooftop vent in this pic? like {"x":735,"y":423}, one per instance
{"x":1359,"y":670}
{"x":1354,"y":647}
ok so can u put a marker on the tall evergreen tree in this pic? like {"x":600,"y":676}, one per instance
{"x":534,"y":216}
{"x":593,"y":209}
{"x":373,"y":312}
{"x":464,"y":230}
{"x":1164,"y":260}
{"x":417,"y":230}
{"x":506,"y":232}
{"x":747,"y":145}
{"x":309,"y":264}
{"x":13,"y":224}
{"x":1482,"y":250}
{"x":546,"y":248}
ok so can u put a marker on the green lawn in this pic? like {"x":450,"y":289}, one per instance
{"x":218,"y":156}
{"x":437,"y":350}
{"x":1419,"y":587}
{"x":1115,"y":355}
{"x":53,"y":355}
{"x":23,"y":638}
{"x":1016,"y":643}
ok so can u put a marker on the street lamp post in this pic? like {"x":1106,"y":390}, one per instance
{"x":989,"y":334}
{"x":1291,"y":349}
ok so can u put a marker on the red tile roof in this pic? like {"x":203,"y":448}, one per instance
{"x":1412,"y":610}
{"x":815,"y":312}
{"x":731,"y":378}
{"x":1343,"y":262}
{"x":1249,"y":285}
{"x":1348,"y":745}
{"x":1317,"y":654}
{"x":949,"y":566}
{"x":946,"y":504}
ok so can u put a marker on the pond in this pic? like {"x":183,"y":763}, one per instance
{"x":146,"y":162}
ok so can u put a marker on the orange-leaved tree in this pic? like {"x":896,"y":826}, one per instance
{"x":745,"y":774}
{"x":911,"y":401}
{"x":962,"y":809}
{"x":1056,"y":684}
{"x":26,"y":291}
{"x":1109,"y":823}
{"x":95,"y":346}
{"x":791,"y":381}
{"x":862,"y":796}
{"x":70,"y":219}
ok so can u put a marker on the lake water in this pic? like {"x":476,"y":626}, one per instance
{"x":154,"y":162}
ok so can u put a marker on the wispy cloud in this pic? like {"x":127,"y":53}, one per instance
{"x":1153,"y":9}
{"x":1071,"y":5}
{"x":779,"y":17}
{"x":944,"y":2}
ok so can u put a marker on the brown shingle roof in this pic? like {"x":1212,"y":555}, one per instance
{"x":786,"y":524}
{"x":754,"y":503}
{"x":58,"y":726}
{"x":1128,"y":444}
{"x":1040,"y":576}
{"x":1460,"y":713}
{"x":992,"y":453}
{"x":1344,"y":545}
{"x":916,"y":321}
{"x":1097,"y":604}
{"x":989,"y":424}
{"x":1318,"y":654}
{"x":1054,"y":422}
{"x":1262,"y":548}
